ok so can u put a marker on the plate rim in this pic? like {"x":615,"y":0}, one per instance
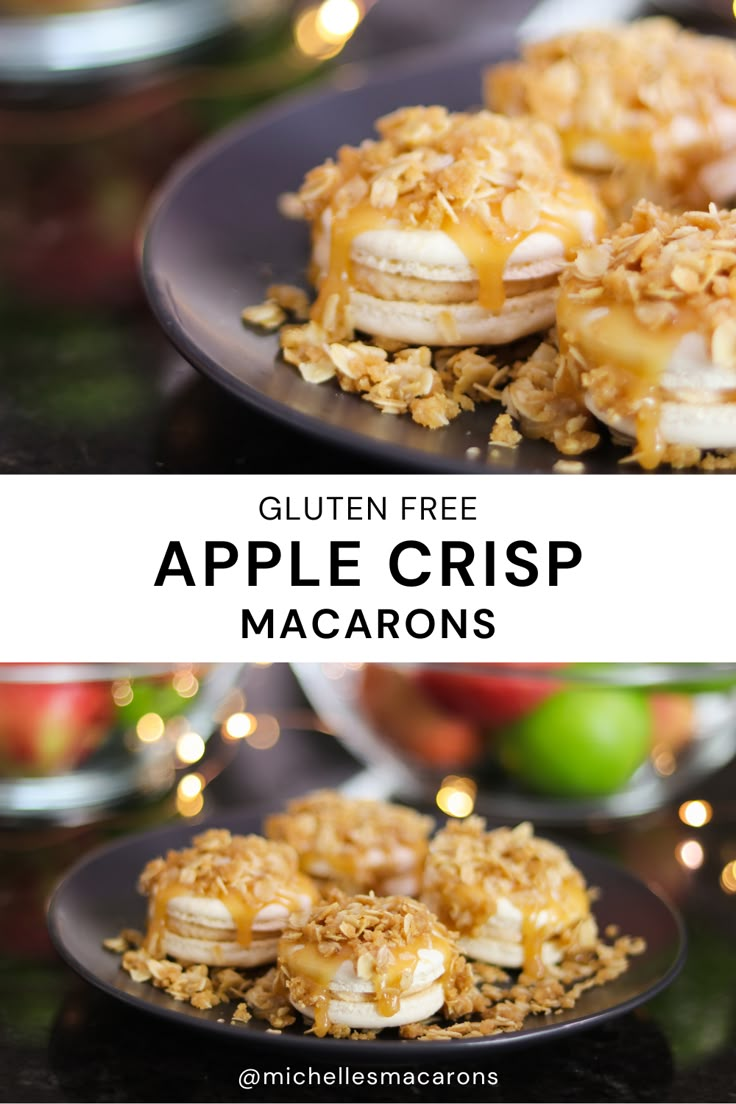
{"x":394,"y":1048}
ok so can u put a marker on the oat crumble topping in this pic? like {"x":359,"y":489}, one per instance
{"x":218,"y":863}
{"x":660,"y":262}
{"x":468,"y":869}
{"x":355,"y":837}
{"x":650,"y":87}
{"x":429,"y":164}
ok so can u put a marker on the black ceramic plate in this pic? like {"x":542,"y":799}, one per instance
{"x":215,"y":240}
{"x":98,"y":898}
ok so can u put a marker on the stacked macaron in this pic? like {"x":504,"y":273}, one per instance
{"x":369,"y":963}
{"x":225,"y":900}
{"x":449,"y":230}
{"x":515,"y":900}
{"x":357,"y":844}
{"x":647,"y":107}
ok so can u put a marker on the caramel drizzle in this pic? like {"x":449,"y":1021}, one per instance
{"x":486,"y":252}
{"x":639,"y":356}
{"x":241,"y":907}
{"x":390,"y":982}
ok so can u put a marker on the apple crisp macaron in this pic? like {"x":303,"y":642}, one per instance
{"x":647,"y":107}
{"x":225,"y":900}
{"x":356,"y":844}
{"x":367,"y":963}
{"x":647,"y":321}
{"x":450,"y":229}
{"x":514,"y":899}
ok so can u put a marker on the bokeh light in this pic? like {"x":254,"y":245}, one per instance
{"x":265,"y":733}
{"x":122,"y":692}
{"x":149,"y":728}
{"x":190,"y":786}
{"x":239,"y":725}
{"x":663,"y":761}
{"x":190,"y":747}
{"x":337,"y":19}
{"x":189,"y":807}
{"x":695,"y":813}
{"x":321,"y":30}
{"x":690,"y":854}
{"x":456,"y":796}
{"x":728,"y":878}
{"x":185,"y":683}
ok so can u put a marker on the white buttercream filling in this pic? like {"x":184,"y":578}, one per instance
{"x":429,"y":968}
{"x":213,"y":912}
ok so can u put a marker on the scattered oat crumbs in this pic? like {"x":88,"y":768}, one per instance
{"x":265,"y":316}
{"x":503,"y":432}
{"x":242,"y":1014}
{"x":503,"y":1005}
{"x":281,"y":301}
{"x":568,"y":467}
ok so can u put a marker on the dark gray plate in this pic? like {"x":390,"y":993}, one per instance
{"x":98,"y":898}
{"x":215,"y":240}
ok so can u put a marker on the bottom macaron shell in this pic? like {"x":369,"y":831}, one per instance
{"x":364,"y":1015}
{"x":217,"y":952}
{"x":701,"y":425}
{"x":424,"y":323}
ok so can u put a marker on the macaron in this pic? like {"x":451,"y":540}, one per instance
{"x":647,"y":107}
{"x":225,"y":900}
{"x":368,"y":963}
{"x":514,"y":899}
{"x":451,"y":229}
{"x":357,"y":844}
{"x":647,"y":320}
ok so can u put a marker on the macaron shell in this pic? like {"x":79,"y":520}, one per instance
{"x":507,"y":953}
{"x":453,"y":324}
{"x":365,"y":1015}
{"x":213,"y":913}
{"x":216,"y":952}
{"x":701,"y":425}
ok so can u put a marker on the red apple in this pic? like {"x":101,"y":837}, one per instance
{"x":406,"y":718}
{"x":493,"y":700}
{"x":46,"y":728}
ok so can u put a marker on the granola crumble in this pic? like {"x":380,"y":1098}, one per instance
{"x":429,"y":164}
{"x":354,"y":839}
{"x":469,"y":869}
{"x":647,"y":90}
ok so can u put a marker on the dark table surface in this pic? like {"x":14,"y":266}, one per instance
{"x":60,"y":1039}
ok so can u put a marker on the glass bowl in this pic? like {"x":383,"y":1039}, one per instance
{"x":556,"y":743}
{"x":79,"y":739}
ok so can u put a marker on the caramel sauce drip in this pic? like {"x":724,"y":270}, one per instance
{"x":319,"y":971}
{"x":559,"y":914}
{"x":242,"y":909}
{"x":630,"y":145}
{"x":486,"y":252}
{"x":638,"y":355}
{"x":346,"y":868}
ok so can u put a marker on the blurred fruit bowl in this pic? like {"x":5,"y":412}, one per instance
{"x":553,"y":739}
{"x":53,"y":717}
